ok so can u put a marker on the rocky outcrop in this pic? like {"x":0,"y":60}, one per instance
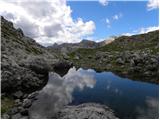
{"x":87,"y":111}
{"x":25,"y":63}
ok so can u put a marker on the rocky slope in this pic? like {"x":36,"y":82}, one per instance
{"x":24,"y":64}
{"x":136,"y":57}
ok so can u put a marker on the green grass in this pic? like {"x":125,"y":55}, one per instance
{"x":6,"y":104}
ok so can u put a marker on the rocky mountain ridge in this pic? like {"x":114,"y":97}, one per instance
{"x":70,"y":47}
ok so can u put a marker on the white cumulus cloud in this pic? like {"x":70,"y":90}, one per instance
{"x":117,"y":16}
{"x":153,"y":4}
{"x":46,"y":21}
{"x":103,"y":2}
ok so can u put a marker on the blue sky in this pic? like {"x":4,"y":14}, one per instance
{"x":132,"y":16}
{"x":63,"y":21}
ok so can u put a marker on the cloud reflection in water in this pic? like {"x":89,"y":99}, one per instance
{"x":152,"y":108}
{"x":58,"y":92}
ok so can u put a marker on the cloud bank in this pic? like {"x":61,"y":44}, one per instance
{"x":46,"y":21}
{"x":142,"y":30}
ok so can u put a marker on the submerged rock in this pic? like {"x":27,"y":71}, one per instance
{"x":87,"y":111}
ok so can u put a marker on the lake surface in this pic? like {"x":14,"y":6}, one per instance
{"x":128,"y":98}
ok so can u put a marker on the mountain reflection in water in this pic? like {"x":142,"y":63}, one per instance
{"x":128,"y":98}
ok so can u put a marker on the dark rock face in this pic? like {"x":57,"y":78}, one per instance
{"x":63,"y":65}
{"x":20,"y":78}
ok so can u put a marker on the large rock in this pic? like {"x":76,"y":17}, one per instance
{"x":87,"y":111}
{"x":39,"y":64}
{"x":20,"y":78}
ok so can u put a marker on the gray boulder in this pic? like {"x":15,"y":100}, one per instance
{"x":16,"y":116}
{"x":120,"y":61}
{"x":27,"y":103}
{"x":87,"y":111}
{"x":18,"y":94}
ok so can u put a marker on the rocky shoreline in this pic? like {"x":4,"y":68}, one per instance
{"x":137,"y":65}
{"x":23,"y":101}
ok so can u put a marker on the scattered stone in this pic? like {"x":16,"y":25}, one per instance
{"x":16,"y":116}
{"x":27,"y":103}
{"x":13,"y":110}
{"x":24,"y":112}
{"x":32,"y":95}
{"x":18,"y":94}
{"x":5,"y":116}
{"x":77,"y":58}
{"x":132,"y":62}
{"x":25,"y":96}
{"x":18,"y":102}
{"x":65,"y":56}
{"x":120,"y":61}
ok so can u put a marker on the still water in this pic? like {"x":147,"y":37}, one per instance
{"x":128,"y":98}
